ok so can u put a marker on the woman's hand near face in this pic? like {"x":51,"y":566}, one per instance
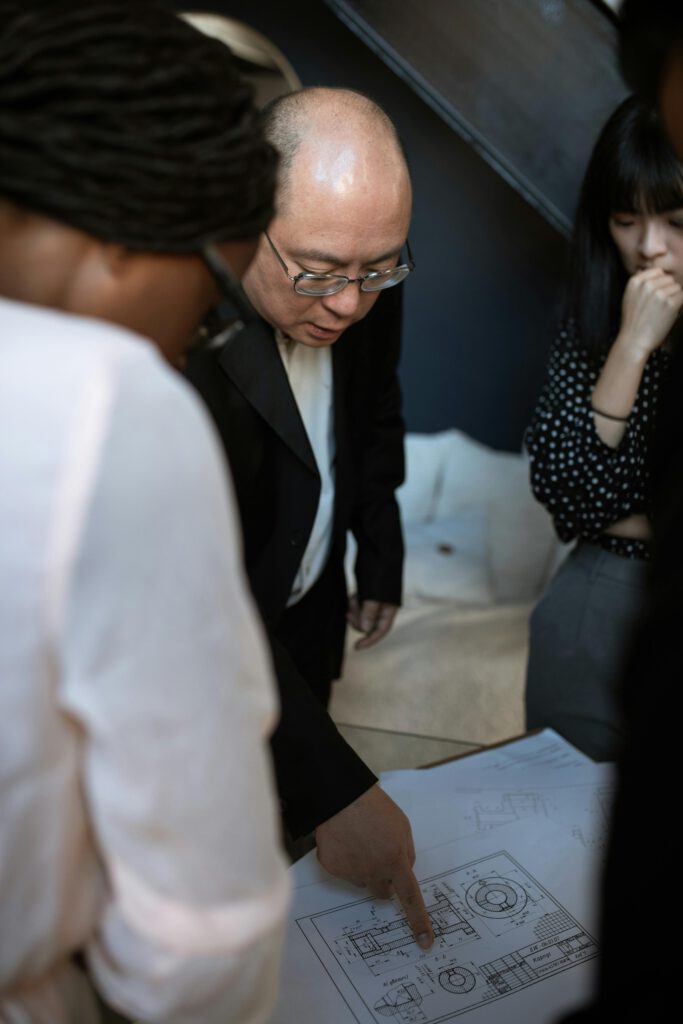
{"x":652,"y":301}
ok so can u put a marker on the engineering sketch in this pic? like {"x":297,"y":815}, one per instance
{"x":487,"y":809}
{"x":381,"y":944}
{"x":512,"y":806}
{"x":497,"y":930}
{"x":402,"y":1002}
{"x":496,"y":897}
{"x":457,"y":980}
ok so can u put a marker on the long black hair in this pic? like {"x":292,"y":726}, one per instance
{"x":632,"y":169}
{"x":119,"y":118}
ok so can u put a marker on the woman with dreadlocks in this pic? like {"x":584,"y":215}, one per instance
{"x":138,"y":836}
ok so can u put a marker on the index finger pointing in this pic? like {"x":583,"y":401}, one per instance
{"x":409,"y":894}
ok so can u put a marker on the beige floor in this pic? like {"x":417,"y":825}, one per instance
{"x":446,"y":679}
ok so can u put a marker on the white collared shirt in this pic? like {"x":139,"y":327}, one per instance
{"x":309,"y":371}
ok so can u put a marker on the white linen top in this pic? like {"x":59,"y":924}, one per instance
{"x":309,"y":371}
{"x":137,"y":817}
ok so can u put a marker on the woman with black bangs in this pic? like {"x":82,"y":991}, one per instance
{"x":597,"y":427}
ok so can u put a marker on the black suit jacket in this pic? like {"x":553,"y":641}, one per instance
{"x":277,"y":485}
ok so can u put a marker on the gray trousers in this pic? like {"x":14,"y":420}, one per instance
{"x":580,"y":635}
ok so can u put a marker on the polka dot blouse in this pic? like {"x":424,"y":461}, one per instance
{"x":585,"y":484}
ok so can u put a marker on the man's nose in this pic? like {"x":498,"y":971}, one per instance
{"x":652,"y":242}
{"x":344,"y":303}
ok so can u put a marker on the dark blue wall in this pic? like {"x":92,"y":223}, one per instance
{"x":481,"y":306}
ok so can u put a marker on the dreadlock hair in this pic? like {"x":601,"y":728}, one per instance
{"x":632,"y":169}
{"x":120,"y":119}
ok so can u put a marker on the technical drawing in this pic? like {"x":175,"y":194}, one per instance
{"x":383,"y":944}
{"x":494,"y":897}
{"x":552,"y":924}
{"x":457,"y":980}
{"x":497,"y":931}
{"x":591,"y":808}
{"x":523,"y":966}
{"x":402,"y":1002}
{"x":511,"y":807}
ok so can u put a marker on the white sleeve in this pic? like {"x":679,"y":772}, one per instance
{"x":165,"y":671}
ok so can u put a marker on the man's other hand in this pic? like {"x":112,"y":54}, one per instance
{"x":373,"y":618}
{"x":370,"y":844}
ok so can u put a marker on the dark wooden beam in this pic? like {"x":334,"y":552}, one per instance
{"x":528,"y":83}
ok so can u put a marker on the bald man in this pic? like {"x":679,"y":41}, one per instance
{"x":308,"y":407}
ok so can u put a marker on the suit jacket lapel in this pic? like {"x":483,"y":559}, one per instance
{"x":252,"y":362}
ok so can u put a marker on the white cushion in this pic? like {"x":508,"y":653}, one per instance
{"x":426,"y":456}
{"x":447,"y":560}
{"x":521,"y":543}
{"x":478,"y":501}
{"x":473,"y":473}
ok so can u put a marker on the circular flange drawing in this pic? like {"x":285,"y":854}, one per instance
{"x":496,"y":897}
{"x":457,"y":980}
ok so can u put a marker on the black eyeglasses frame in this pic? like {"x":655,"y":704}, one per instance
{"x":361,"y":281}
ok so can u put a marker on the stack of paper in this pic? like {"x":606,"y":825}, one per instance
{"x":510,"y":845}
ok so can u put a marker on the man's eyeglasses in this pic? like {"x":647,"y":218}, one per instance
{"x":232,"y":314}
{"x":307,"y":283}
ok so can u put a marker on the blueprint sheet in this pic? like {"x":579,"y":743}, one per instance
{"x":513,"y":912}
{"x":544,"y":754}
{"x":541,"y":779}
{"x":442,"y":806}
